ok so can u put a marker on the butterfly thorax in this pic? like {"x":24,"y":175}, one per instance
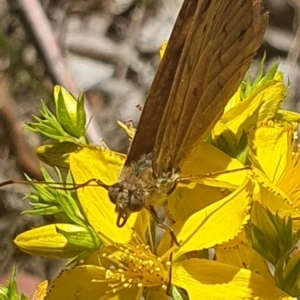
{"x":139,"y":186}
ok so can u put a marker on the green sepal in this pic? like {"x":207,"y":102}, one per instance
{"x":177,"y":293}
{"x":70,"y":207}
{"x":48,"y":199}
{"x":87,"y":239}
{"x":49,"y":127}
{"x":70,"y":112}
{"x":224,"y":139}
{"x":271,"y":236}
{"x":242,"y":149}
{"x":10,"y":292}
{"x":56,"y":155}
{"x":248,"y":88}
{"x":290,"y":282}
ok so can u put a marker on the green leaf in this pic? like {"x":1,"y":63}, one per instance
{"x":12,"y":288}
{"x":43,"y":210}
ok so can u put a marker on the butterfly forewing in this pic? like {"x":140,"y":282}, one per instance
{"x":158,"y":95}
{"x":221,"y":42}
{"x":209,"y":51}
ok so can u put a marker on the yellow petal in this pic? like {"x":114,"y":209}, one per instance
{"x":105,"y":165}
{"x":263,"y":103}
{"x":288,"y":116}
{"x":208,"y":159}
{"x":204,"y":279}
{"x":163,"y":49}
{"x":128,"y":128}
{"x":215,"y":224}
{"x":235,"y":100}
{"x":238,"y":253}
{"x":183,"y":202}
{"x":69,"y":100}
{"x":271,"y":148}
{"x":40,"y":291}
{"x":290,"y":181}
{"x":278,"y":76}
{"x":79,"y":283}
{"x":142,"y":224}
{"x":275,"y":199}
{"x":291,"y":275}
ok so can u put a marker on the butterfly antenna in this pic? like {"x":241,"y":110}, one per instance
{"x":212,"y":174}
{"x":97,"y":182}
{"x":76,"y":186}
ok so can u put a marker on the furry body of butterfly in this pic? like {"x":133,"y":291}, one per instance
{"x":137,"y":184}
{"x":210,"y":49}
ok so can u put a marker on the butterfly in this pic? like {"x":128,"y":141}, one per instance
{"x":210,"y":49}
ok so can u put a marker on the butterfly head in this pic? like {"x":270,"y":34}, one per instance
{"x":126,"y":201}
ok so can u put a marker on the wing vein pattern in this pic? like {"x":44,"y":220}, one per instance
{"x":209,"y":52}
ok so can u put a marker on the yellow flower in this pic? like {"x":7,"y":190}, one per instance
{"x":276,"y":168}
{"x":127,"y":268}
{"x":208,"y":210}
{"x":270,"y":134}
{"x":131,"y":270}
{"x":269,"y":145}
{"x":105,"y":165}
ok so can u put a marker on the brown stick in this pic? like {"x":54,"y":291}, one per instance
{"x":39,"y":25}
{"x":25,"y":154}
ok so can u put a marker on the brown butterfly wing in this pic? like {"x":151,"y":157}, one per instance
{"x":209,"y":51}
{"x":159,"y":93}
{"x":222,"y":39}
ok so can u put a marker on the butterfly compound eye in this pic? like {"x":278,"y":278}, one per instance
{"x":119,"y":196}
{"x":136,"y":200}
{"x":125,"y":201}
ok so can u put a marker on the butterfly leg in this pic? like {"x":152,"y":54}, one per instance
{"x":97,"y":182}
{"x":162,"y":225}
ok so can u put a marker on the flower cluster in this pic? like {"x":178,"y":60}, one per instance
{"x":237,"y":226}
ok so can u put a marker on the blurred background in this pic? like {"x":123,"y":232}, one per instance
{"x":109,"y":50}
